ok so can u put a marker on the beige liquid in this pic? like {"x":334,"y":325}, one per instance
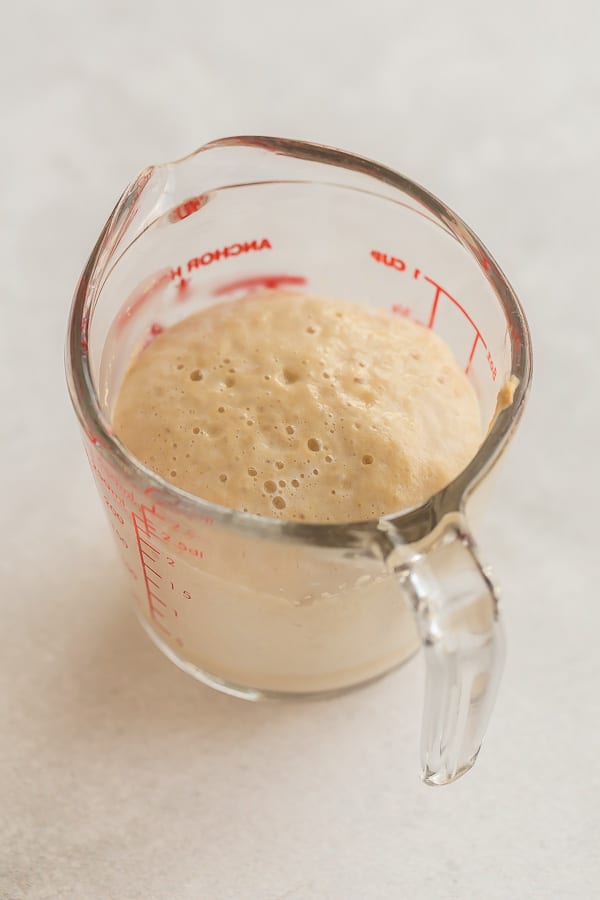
{"x":296,"y":407}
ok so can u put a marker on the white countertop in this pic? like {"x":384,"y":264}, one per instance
{"x":119,"y":776}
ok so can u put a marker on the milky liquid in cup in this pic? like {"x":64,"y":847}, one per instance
{"x":304,"y":408}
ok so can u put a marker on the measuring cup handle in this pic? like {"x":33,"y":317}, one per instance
{"x":455,"y":603}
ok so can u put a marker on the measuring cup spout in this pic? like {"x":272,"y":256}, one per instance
{"x":143,"y":201}
{"x":173,"y":188}
{"x":455,"y":604}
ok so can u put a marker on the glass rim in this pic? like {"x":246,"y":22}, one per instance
{"x":413,"y":524}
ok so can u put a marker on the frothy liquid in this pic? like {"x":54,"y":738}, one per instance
{"x":299,"y":407}
{"x":302,"y":408}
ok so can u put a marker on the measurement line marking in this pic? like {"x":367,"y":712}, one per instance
{"x":439,"y":289}
{"x":147,"y":555}
{"x":154,"y":611}
{"x":149,"y":533}
{"x":142,"y":541}
{"x":434,"y":306}
{"x":154,"y":572}
{"x":159,"y":600}
{"x":472,"y":353}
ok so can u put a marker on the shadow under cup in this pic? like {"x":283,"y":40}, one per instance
{"x":262,"y":607}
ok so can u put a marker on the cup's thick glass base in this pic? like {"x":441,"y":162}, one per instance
{"x":244,"y":692}
{"x":442,"y":777}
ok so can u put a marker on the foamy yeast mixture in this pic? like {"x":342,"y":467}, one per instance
{"x":299,"y":407}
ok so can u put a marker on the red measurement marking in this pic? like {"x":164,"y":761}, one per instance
{"x":120,"y":537}
{"x":147,"y":556}
{"x":472,"y":353}
{"x":155,"y":329}
{"x":95,"y":441}
{"x":493,"y":369}
{"x":110,"y":481}
{"x":406,"y":313}
{"x":151,"y":596}
{"x":142,"y":541}
{"x":103,"y":476}
{"x":114,"y":511}
{"x":149,"y":530}
{"x":400,"y":266}
{"x":182,"y":290}
{"x":447,"y":294}
{"x":267,"y":281}
{"x":153,"y":510}
{"x":187,"y":208}
{"x":434,"y":306}
{"x":478,"y":335}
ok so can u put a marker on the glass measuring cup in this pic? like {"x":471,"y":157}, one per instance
{"x":259,"y":607}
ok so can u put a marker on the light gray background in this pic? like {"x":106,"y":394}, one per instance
{"x":119,"y":776}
